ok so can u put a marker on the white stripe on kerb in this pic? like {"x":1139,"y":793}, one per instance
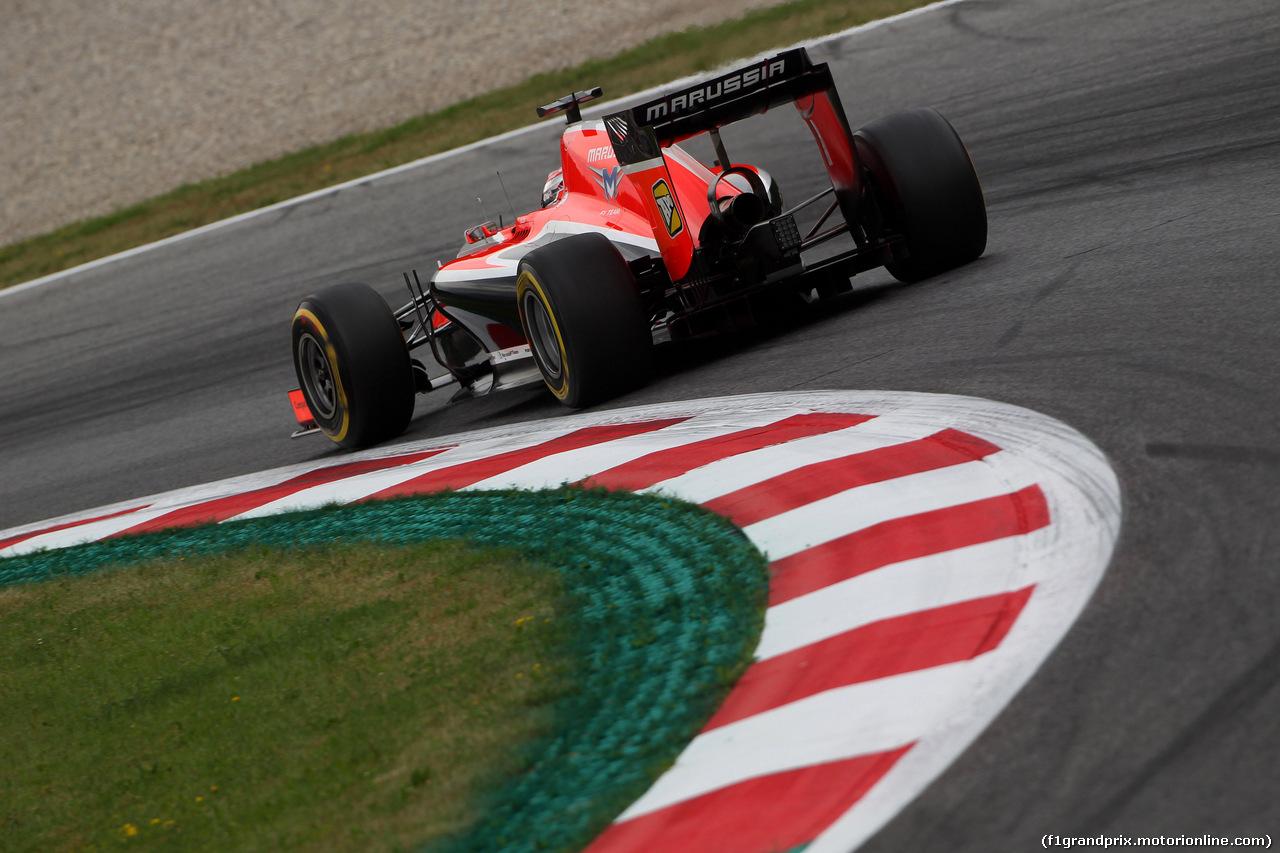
{"x":875,"y":503}
{"x":899,"y":589}
{"x":860,"y":719}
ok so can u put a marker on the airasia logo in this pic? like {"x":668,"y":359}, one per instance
{"x":667,"y":208}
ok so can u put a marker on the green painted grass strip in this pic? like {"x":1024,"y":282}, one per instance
{"x":666,"y":602}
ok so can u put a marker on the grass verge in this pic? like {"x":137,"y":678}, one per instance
{"x":661,"y":59}
{"x":360,"y":697}
{"x":339,"y":679}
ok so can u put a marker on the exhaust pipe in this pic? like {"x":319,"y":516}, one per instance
{"x":738,"y":213}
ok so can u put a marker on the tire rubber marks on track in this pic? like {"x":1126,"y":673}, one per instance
{"x":904,"y":537}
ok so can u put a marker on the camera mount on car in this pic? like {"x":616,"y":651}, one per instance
{"x":569,"y":105}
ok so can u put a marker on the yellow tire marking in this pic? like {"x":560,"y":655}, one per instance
{"x":330,"y":353}
{"x":527,"y":280}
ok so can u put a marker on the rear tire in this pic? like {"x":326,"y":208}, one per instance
{"x":353,"y":365}
{"x":584,"y":319}
{"x":924,"y":184}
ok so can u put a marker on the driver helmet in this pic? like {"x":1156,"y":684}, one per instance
{"x":553,"y":189}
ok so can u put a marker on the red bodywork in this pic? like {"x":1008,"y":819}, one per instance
{"x":627,"y":205}
{"x":626,"y":177}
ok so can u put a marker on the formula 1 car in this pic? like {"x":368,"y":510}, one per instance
{"x":638,"y":244}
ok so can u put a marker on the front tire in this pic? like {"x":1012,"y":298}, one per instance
{"x":353,"y":365}
{"x":584,"y":319}
{"x":923,"y":183}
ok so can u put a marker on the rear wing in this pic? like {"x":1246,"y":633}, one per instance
{"x":753,"y":89}
{"x":640,"y":133}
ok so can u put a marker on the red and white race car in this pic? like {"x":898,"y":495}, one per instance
{"x":639,"y":244}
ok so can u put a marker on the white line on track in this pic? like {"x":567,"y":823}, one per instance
{"x":595,"y":111}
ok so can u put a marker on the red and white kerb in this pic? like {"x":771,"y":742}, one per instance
{"x":928,"y":552}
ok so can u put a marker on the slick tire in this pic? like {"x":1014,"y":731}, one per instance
{"x":923,"y":183}
{"x":353,"y":365}
{"x":584,"y":319}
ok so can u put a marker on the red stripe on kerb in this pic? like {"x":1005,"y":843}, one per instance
{"x":770,"y":813}
{"x":916,"y":641}
{"x":467,"y":473}
{"x":14,"y":540}
{"x":221,"y":509}
{"x":907,"y":538}
{"x":664,"y":464}
{"x":820,"y":480}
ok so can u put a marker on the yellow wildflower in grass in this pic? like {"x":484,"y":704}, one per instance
{"x":129,"y":829}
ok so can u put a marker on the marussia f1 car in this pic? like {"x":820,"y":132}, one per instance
{"x":638,"y":244}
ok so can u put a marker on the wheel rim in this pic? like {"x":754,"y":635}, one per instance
{"x":317,"y":377}
{"x":542,"y":335}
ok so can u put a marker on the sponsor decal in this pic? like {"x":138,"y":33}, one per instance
{"x":617,"y":127}
{"x":631,"y":145}
{"x":667,"y":207}
{"x":503,"y":356}
{"x":604,"y":152}
{"x":703,"y":96}
{"x":610,"y":180}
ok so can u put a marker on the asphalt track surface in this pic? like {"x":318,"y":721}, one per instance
{"x":1129,"y":155}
